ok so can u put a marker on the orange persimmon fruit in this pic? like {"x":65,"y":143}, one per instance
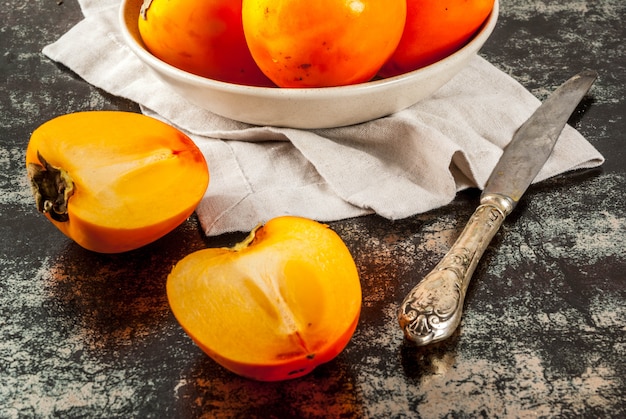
{"x":114,"y":181}
{"x":434,"y":30}
{"x":203,"y":37}
{"x":301,"y":43}
{"x":273,"y":307}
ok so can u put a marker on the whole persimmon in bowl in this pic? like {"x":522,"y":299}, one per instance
{"x":312,"y":107}
{"x":434,"y":30}
{"x":273,"y":307}
{"x":203,"y":37}
{"x":322,"y":43}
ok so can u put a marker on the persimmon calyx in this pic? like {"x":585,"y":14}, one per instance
{"x":52,"y":188}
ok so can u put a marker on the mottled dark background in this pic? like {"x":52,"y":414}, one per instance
{"x":88,"y":335}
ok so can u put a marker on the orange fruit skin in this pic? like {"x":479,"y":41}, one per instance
{"x":288,"y":369}
{"x":434,"y":30}
{"x":274,"y":307}
{"x":203,"y":37}
{"x":135,"y":178}
{"x":322,"y":43}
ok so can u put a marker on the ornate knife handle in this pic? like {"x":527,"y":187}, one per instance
{"x":432,"y":310}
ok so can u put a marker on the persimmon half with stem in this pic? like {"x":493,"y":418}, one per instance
{"x":114,"y":181}
{"x":273,"y":307}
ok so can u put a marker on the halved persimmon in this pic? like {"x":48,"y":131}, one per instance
{"x":114,"y":181}
{"x":434,"y":30}
{"x":273,"y":307}
{"x":300,"y":43}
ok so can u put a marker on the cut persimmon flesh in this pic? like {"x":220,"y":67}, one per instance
{"x":273,"y":307}
{"x":114,"y":181}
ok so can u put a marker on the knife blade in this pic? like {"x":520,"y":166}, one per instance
{"x":432,"y":310}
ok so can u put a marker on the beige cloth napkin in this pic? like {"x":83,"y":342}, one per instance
{"x":397,"y":166}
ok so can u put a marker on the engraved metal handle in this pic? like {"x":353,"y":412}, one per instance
{"x":432,"y":310}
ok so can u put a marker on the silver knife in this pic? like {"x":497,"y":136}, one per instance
{"x":432,"y":310}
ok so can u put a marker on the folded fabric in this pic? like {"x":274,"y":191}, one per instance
{"x":407,"y":163}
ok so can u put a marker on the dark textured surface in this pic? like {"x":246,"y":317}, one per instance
{"x":88,"y":335}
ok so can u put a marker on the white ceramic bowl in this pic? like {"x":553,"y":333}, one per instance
{"x":310,"y":107}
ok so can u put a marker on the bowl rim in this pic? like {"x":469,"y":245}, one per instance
{"x":135,"y":44}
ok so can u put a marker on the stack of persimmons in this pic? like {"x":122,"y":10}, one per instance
{"x":296,"y":43}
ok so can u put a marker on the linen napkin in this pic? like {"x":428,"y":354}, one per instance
{"x":404,"y":164}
